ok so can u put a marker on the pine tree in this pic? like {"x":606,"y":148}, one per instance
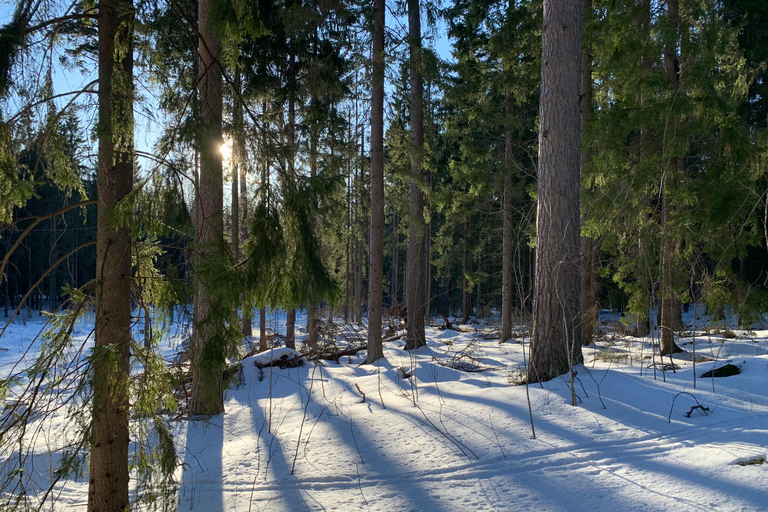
{"x":208,"y":338}
{"x":376,"y":278}
{"x":555,"y":340}
{"x":108,"y":480}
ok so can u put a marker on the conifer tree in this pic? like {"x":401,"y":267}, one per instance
{"x":208,"y":338}
{"x":376,"y":276}
{"x":108,"y":478}
{"x":416,"y":226}
{"x":555,"y":340}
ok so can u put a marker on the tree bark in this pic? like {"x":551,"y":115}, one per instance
{"x":589,"y":254}
{"x":669,"y":245}
{"x":376,"y":275}
{"x":414,"y":283}
{"x":108,"y":480}
{"x":208,"y":336}
{"x":555,"y":341}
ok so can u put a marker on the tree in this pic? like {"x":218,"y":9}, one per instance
{"x":415,"y":273}
{"x":208,"y":338}
{"x":108,"y":480}
{"x":376,"y":276}
{"x":555,"y":340}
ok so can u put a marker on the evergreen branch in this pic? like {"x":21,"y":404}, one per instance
{"x":25,"y":110}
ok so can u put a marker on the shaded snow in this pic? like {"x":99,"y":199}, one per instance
{"x":450,"y":440}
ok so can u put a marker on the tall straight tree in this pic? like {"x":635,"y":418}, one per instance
{"x":555,"y":340}
{"x":414,"y":284}
{"x":589,"y":249}
{"x":108,"y":480}
{"x":208,"y":336}
{"x":376,"y":276}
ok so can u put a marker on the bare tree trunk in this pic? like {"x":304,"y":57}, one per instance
{"x":360,"y":263}
{"x":207,"y":338}
{"x":395,"y":284}
{"x":669,"y":246}
{"x":376,"y":276}
{"x":108,"y":479}
{"x":414,"y":283}
{"x":555,"y":341}
{"x":464,"y":270}
{"x":240,"y":174}
{"x":589,"y":255}
{"x":290,"y":328}
{"x":507,"y":237}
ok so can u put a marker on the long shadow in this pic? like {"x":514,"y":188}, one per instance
{"x":201,"y":482}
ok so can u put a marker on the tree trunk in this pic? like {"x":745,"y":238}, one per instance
{"x":242,"y":204}
{"x":507,"y":236}
{"x":669,"y":246}
{"x":290,"y":328}
{"x":589,"y":255}
{"x":108,"y":479}
{"x":376,"y":275}
{"x":263,"y":345}
{"x":395,"y":271}
{"x":464,"y":270}
{"x":208,"y":336}
{"x":555,"y":341}
{"x":414,"y":283}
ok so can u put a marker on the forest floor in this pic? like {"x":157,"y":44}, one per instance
{"x":447,"y":429}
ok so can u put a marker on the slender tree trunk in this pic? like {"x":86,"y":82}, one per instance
{"x":376,"y":275}
{"x":242,"y":203}
{"x":208,"y":336}
{"x":360,"y":214}
{"x":108,"y":479}
{"x":643,"y":319}
{"x":464,"y":270}
{"x":669,"y":245}
{"x":507,"y":239}
{"x":555,"y":341}
{"x":414,"y":284}
{"x":589,"y":255}
{"x":395,"y":284}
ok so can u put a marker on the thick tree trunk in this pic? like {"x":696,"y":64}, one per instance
{"x":108,"y":479}
{"x":414,"y":283}
{"x":207,"y":338}
{"x":263,"y":344}
{"x":376,"y":276}
{"x":555,"y":343}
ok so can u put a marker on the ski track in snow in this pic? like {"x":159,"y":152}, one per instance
{"x":466,"y":444}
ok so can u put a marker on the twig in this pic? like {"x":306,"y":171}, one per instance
{"x":361,"y":392}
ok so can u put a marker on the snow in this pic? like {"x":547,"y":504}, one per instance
{"x":446,"y":439}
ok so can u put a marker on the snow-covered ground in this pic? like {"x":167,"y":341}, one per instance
{"x":430,"y":435}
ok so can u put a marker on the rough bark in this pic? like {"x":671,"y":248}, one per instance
{"x":208,"y":337}
{"x":589,"y":255}
{"x":555,"y":343}
{"x":414,"y":283}
{"x":376,"y":276}
{"x":108,"y":479}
